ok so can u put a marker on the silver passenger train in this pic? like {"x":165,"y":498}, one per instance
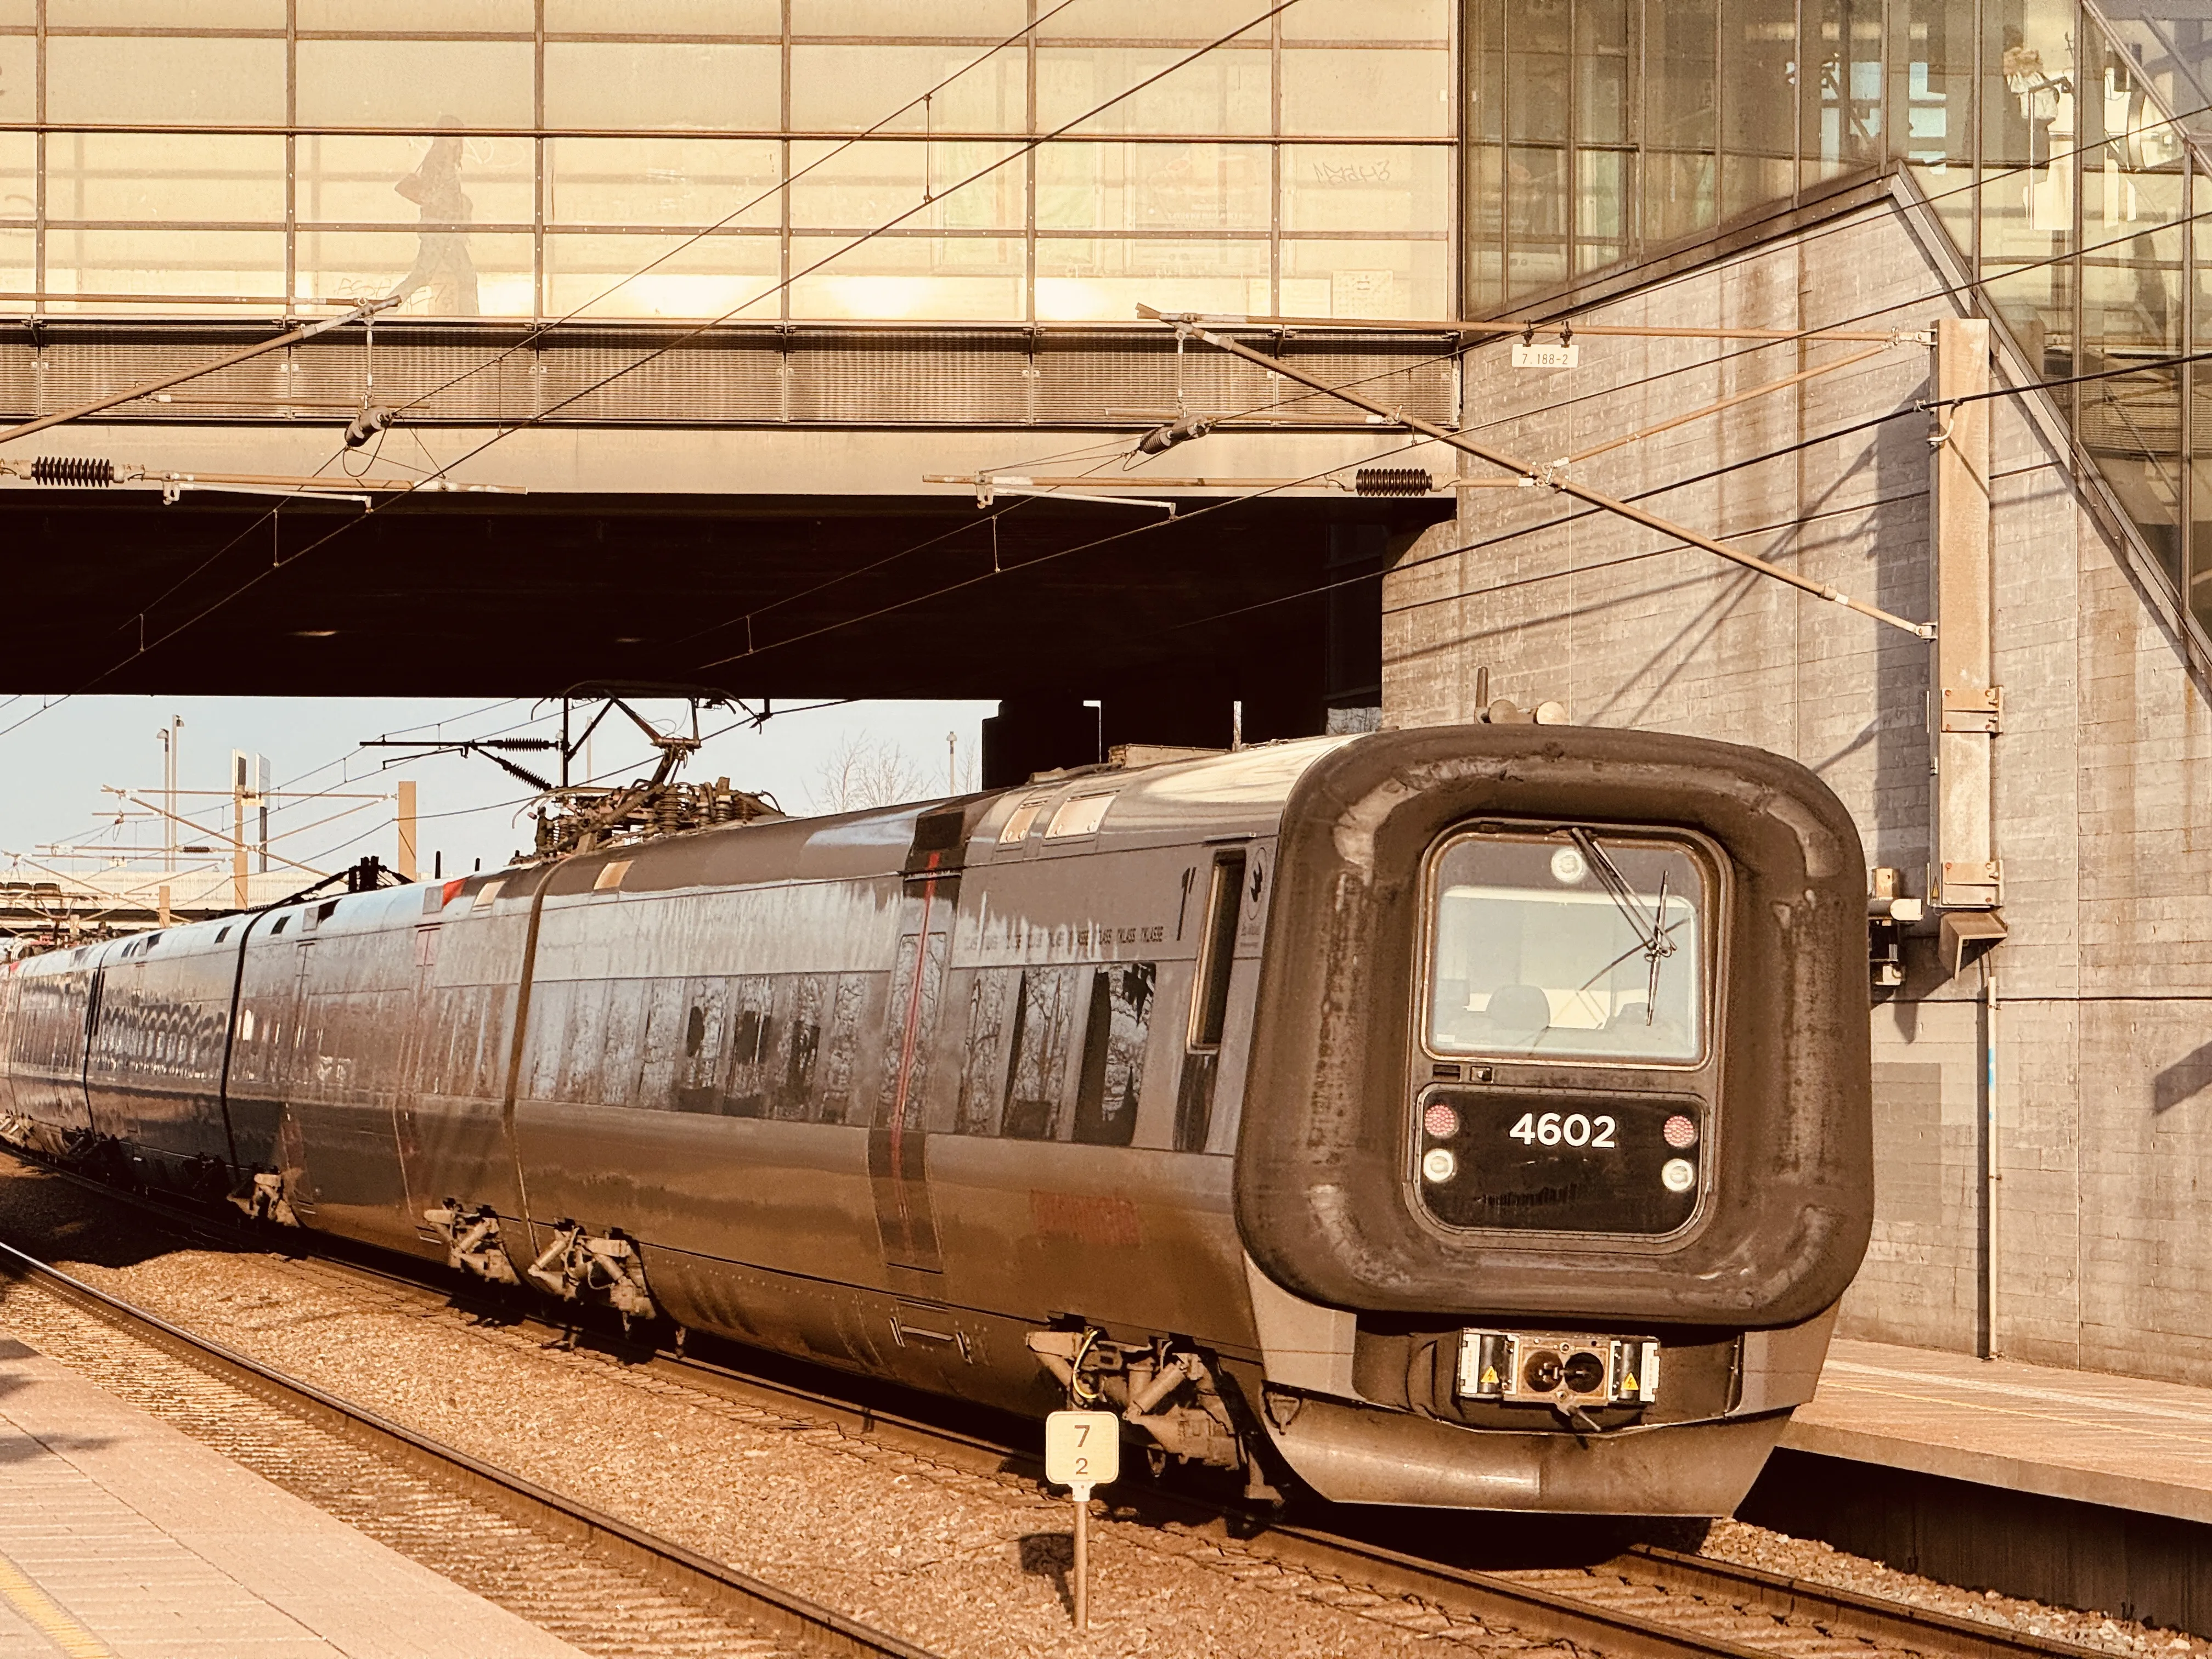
{"x":1472,"y":1117}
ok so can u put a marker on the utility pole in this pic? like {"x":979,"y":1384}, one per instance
{"x":168,"y":736}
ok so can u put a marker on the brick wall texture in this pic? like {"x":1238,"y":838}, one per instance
{"x":2104,"y":1031}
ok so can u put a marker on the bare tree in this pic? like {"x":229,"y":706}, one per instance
{"x":861,"y":772}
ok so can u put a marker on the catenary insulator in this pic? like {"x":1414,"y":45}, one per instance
{"x":77,"y":470}
{"x":1392,"y":481}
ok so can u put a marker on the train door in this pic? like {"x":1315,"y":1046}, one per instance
{"x":898,"y":1139}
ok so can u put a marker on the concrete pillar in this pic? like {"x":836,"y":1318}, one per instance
{"x":1964,"y":706}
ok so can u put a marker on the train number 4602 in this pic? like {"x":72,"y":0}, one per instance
{"x":1572,"y":1127}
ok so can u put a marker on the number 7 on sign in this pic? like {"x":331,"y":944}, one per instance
{"x":1082,"y":1450}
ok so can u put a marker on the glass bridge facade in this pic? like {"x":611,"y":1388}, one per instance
{"x":646,"y":159}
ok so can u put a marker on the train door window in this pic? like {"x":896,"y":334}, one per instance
{"x":1209,"y":1003}
{"x":1044,"y":1012}
{"x":982,"y":1098}
{"x":1114,"y":1053}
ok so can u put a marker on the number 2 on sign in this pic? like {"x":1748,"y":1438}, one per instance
{"x":1574,"y":1128}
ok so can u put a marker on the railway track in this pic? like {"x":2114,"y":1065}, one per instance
{"x":769,"y":1618}
{"x":1646,"y":1603}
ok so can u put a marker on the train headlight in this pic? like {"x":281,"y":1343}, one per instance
{"x":1437,"y":1164}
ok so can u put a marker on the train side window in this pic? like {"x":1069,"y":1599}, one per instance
{"x":982,"y":1066}
{"x":839,"y":1045}
{"x":1114,"y":1054}
{"x":1044,"y":1012}
{"x":1209,"y":1003}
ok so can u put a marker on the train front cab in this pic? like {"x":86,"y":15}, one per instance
{"x":1556,"y":1155}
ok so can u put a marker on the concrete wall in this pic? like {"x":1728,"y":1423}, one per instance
{"x":2104,"y":1031}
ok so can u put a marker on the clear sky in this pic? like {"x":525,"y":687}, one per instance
{"x":53,"y":766}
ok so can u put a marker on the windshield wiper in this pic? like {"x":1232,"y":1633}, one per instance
{"x":1651,"y":935}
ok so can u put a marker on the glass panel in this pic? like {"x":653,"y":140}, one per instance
{"x":206,"y":263}
{"x":441,"y":275}
{"x":860,"y":186}
{"x":2131,"y":312}
{"x":1224,"y":92}
{"x":1605,"y":202}
{"x":631,"y":85}
{"x":18,"y":14}
{"x":1485,"y":277}
{"x":1377,"y":91}
{"x":1604,"y":72}
{"x":427,"y":16}
{"x":666,"y":17}
{"x":168,"y":81}
{"x":1536,"y":202}
{"x":1366,"y":20}
{"x":17,"y":249}
{"x":2028,"y":137}
{"x":991,"y":20}
{"x":902,"y":276}
{"x":390,"y":83}
{"x":349,"y":179}
{"x":1534,"y":953}
{"x":1364,"y":279}
{"x":711,"y":277}
{"x":854,"y":88}
{"x":1153,"y":186}
{"x":19,"y":78}
{"x":133,"y":175}
{"x":163,"y":13}
{"x":2172,"y":54}
{"x":1101,"y":278}
{"x":1195,"y":20}
{"x":1366,"y":187}
{"x":1678,"y":129}
{"x":2200,"y":475}
{"x":19,"y":153}
{"x":662,"y":181}
{"x":1841,"y":105}
{"x":1539,"y":75}
{"x":1758,"y":104}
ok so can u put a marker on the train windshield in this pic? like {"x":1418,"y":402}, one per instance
{"x":1572,"y":944}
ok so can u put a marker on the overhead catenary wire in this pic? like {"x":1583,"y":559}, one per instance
{"x":1550,"y":478}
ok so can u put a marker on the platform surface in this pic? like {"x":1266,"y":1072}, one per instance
{"x":2117,"y":1441}
{"x":123,"y":1538}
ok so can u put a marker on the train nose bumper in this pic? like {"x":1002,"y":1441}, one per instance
{"x":1353,"y":1453}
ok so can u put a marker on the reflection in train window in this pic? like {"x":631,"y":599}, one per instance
{"x":1114,"y":1054}
{"x":1044,"y":1013}
{"x":982,"y":1068}
{"x":839,"y":1042}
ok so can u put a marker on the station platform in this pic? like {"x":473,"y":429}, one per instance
{"x":2076,"y":1488}
{"x":2118,"y":1442}
{"x":123,"y":1538}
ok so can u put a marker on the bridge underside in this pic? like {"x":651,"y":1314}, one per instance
{"x":793,"y":597}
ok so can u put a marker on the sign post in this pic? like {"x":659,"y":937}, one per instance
{"x":1082,"y":1450}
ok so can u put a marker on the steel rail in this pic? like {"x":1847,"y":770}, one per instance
{"x":1813,"y":1607}
{"x":668,"y":1564}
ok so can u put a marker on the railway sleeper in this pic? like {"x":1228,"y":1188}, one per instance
{"x":473,"y":1244}
{"x":1139,"y":1382}
{"x":581,"y":1267}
